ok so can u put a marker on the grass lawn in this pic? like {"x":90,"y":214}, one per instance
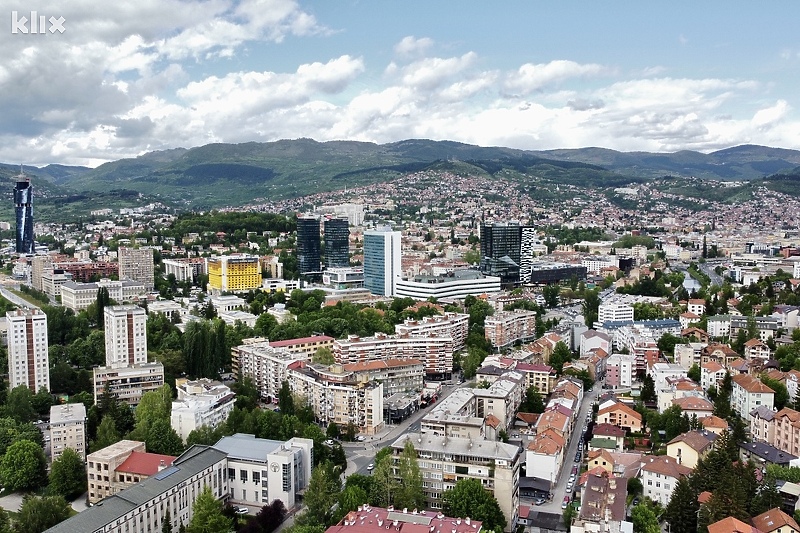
{"x":28,"y":298}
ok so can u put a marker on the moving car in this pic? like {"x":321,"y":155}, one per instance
{"x":241,"y":510}
{"x":370,"y":467}
{"x":361,"y":438}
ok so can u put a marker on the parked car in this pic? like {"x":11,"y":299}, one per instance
{"x":635,"y":501}
{"x":370,"y":467}
{"x":241,"y":510}
{"x":565,"y":502}
{"x":361,"y":438}
{"x":539,"y":501}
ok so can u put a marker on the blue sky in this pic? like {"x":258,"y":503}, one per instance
{"x":158,"y":74}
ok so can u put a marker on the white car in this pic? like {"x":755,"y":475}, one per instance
{"x":241,"y":510}
{"x":361,"y":438}
{"x":370,"y":467}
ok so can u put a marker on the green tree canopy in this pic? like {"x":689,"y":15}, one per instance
{"x":207,"y":515}
{"x":23,"y":466}
{"x":161,"y":438}
{"x":409,"y":494}
{"x":39,"y":513}
{"x":107,"y":434}
{"x":468,"y":498}
{"x":68,"y":475}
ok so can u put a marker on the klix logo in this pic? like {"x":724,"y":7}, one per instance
{"x":36,"y":23}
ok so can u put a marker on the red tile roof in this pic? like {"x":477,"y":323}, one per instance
{"x":302,"y":340}
{"x":144,"y":463}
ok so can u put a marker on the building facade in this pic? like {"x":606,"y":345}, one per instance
{"x":78,"y":296}
{"x":308,"y":246}
{"x":455,"y":284}
{"x":137,"y":264}
{"x":382,"y":264}
{"x":264,"y":364}
{"x":454,"y":325}
{"x":125,"y":335}
{"x":28,"y":359}
{"x":68,"y":429}
{"x":202,"y":402}
{"x":23,"y":206}
{"x":337,"y":243}
{"x":443,"y":461}
{"x":435,"y":352}
{"x":128,"y":383}
{"x":233,"y":273}
{"x":508,"y":327}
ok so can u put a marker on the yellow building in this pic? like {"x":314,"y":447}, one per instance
{"x":233,"y":273}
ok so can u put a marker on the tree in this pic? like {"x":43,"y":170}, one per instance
{"x":648,"y":393}
{"x":694,"y":373}
{"x":154,"y":405}
{"x":107,"y":434}
{"x":5,"y":522}
{"x":39,"y":513}
{"x":550,"y":294}
{"x":161,"y":438}
{"x":332,"y":431}
{"x":591,"y":304}
{"x":166,"y":524}
{"x":322,"y":493}
{"x":285,"y":399}
{"x":208,"y":517}
{"x":323,"y":356}
{"x":634,"y":486}
{"x":350,"y":499}
{"x":384,"y":483}
{"x":533,"y":402}
{"x":561,"y":355}
{"x":409,"y":494}
{"x":766,"y":498}
{"x":41,"y":402}
{"x":68,"y":475}
{"x":19,"y":404}
{"x":24,"y":466}
{"x":468,"y":498}
{"x":681,"y":511}
{"x":644,"y":519}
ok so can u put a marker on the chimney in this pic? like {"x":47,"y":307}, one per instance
{"x":467,"y":520}
{"x":405,"y":510}
{"x":162,"y":465}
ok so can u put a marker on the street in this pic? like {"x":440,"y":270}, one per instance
{"x":560,"y":488}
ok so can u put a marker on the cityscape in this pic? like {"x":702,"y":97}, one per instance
{"x":281,"y":266}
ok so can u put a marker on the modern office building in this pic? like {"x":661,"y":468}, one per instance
{"x":68,"y":429}
{"x":233,"y":273}
{"x":137,"y":264}
{"x":261,"y":470}
{"x":382,"y":265}
{"x":128,"y":383}
{"x":501,"y":251}
{"x":308,"y":246}
{"x":28,"y":360}
{"x":23,"y":204}
{"x":125,"y":335}
{"x":337,"y":243}
{"x":343,"y":278}
{"x":546,"y":273}
{"x":453,"y":285}
{"x":202,"y":402}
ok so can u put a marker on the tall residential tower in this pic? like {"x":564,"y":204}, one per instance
{"x":28,"y":361}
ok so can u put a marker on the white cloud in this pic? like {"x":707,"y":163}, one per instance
{"x":410,"y":46}
{"x":533,"y":77}
{"x":767,"y":117}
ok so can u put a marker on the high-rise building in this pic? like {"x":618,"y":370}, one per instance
{"x":39,"y":265}
{"x":28,"y":362}
{"x":501,"y":251}
{"x":308,"y":249}
{"x":382,"y":265}
{"x":137,"y":264}
{"x":126,"y":335}
{"x":337,"y":243}
{"x":234,"y":273}
{"x":68,"y":429}
{"x":23,"y":203}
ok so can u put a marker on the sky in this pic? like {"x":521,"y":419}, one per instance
{"x":128,"y":77}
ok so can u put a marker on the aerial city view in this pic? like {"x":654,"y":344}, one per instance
{"x":422,"y":267}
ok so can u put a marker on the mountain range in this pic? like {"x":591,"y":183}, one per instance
{"x":217,"y":175}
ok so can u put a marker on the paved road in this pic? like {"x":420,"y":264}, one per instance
{"x":14,"y":299}
{"x":559,"y":491}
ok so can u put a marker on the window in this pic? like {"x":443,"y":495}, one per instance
{"x":243,"y":475}
{"x":256,"y":477}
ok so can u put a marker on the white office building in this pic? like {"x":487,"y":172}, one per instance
{"x":28,"y":360}
{"x":453,"y":285}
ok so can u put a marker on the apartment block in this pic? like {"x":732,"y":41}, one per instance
{"x":620,"y":370}
{"x":748,"y":393}
{"x":185,"y":269}
{"x":444,"y":460}
{"x":137,"y":264}
{"x":398,"y":376}
{"x":335,"y":397}
{"x":614,"y":311}
{"x":86,"y":271}
{"x":660,"y":475}
{"x":305,"y":346}
{"x":28,"y":359}
{"x":260,"y":471}
{"x":786,"y":431}
{"x":68,"y":429}
{"x":128,"y":383}
{"x":264,"y":364}
{"x":120,"y":466}
{"x":454,"y":325}
{"x":537,"y":375}
{"x":233,"y":273}
{"x":201,"y":402}
{"x":53,"y":280}
{"x":368,"y":519}
{"x":145,"y":506}
{"x":508,"y":327}
{"x":78,"y":296}
{"x":435,"y":352}
{"x":125,"y":335}
{"x":39,"y":264}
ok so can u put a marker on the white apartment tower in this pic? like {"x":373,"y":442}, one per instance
{"x":137,"y":264}
{"x":126,"y":335}
{"x":28,"y":362}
